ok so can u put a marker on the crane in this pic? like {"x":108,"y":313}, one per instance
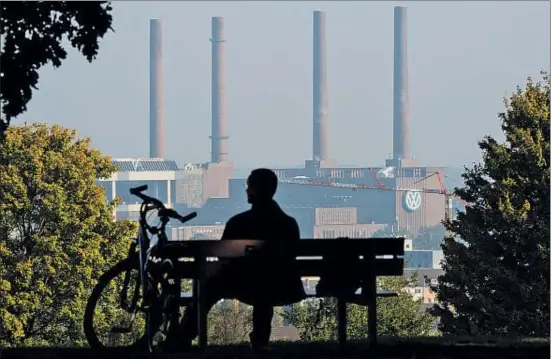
{"x":448,"y":212}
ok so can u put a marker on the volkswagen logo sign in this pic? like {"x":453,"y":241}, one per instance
{"x":412,"y":200}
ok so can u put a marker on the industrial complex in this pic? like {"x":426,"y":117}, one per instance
{"x":328,"y":201}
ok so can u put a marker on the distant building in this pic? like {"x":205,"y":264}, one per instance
{"x":406,"y":198}
{"x":425,"y":279}
{"x":346,"y":230}
{"x":336,"y":215}
{"x":423,"y":259}
{"x":199,"y":182}
{"x":185,"y":233}
{"x":158,"y":174}
{"x":179,"y":188}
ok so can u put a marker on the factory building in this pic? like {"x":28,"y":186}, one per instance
{"x":184,"y":189}
{"x":199,"y":182}
{"x":186,"y":233}
{"x":158,"y":174}
{"x":423,"y":259}
{"x":399,"y":199}
{"x":401,"y":194}
{"x":327,"y":200}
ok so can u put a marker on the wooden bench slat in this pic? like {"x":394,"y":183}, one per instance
{"x":346,"y":247}
{"x":383,"y":267}
{"x":394,"y":267}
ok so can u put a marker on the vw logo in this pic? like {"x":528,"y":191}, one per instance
{"x":412,"y":200}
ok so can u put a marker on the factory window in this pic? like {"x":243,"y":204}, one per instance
{"x":357,"y":173}
{"x":280,"y":174}
{"x":336,"y":173}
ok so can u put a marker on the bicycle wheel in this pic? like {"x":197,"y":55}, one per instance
{"x":106,"y":322}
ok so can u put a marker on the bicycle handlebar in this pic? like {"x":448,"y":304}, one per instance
{"x":138,"y":189}
{"x":163,"y":211}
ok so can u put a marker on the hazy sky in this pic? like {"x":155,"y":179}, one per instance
{"x":463,"y":58}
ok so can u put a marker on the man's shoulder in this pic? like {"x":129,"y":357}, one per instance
{"x":286,"y":217}
{"x":239,"y":217}
{"x":290,"y":219}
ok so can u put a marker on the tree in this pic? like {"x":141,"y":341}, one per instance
{"x":400,"y":316}
{"x":32,"y":33}
{"x":430,"y":238}
{"x":496,"y":265}
{"x":57,"y":233}
{"x":229,"y":322}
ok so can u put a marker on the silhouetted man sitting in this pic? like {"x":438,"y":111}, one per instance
{"x":263,"y":282}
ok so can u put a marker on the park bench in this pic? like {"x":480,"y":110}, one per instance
{"x":340,"y":257}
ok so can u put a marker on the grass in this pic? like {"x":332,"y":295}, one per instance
{"x":389,"y":347}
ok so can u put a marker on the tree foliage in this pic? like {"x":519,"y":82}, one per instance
{"x":399,"y":316}
{"x":57,"y":233}
{"x":32,"y":34}
{"x":496,"y":279}
{"x":229,"y":322}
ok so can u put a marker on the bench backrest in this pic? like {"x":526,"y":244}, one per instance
{"x":384,"y":256}
{"x":352,"y":256}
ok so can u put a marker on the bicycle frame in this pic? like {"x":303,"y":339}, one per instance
{"x":148,"y":278}
{"x":142,"y":260}
{"x":148,"y":281}
{"x":142,"y":242}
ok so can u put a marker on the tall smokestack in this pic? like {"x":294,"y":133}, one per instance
{"x":401,"y":91}
{"x":218,"y":136}
{"x":320,"y":88}
{"x":156,"y":116}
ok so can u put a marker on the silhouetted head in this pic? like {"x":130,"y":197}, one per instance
{"x":261,"y":185}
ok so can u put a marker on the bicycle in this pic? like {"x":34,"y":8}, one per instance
{"x":154,"y":293}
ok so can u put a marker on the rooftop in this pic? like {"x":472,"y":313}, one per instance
{"x":144,"y":164}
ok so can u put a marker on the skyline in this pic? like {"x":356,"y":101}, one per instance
{"x":280,"y":91}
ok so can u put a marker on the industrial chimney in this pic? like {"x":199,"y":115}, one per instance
{"x":218,"y":136}
{"x":320,"y":90}
{"x":156,"y":116}
{"x":401,"y":91}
